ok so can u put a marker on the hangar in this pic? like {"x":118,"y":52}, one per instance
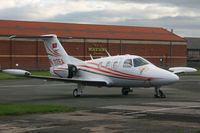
{"x":193,"y":52}
{"x":158,"y":45}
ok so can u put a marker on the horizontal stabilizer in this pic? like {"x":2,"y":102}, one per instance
{"x":30,"y":37}
{"x":37,"y":37}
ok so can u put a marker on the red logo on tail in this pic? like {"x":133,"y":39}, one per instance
{"x":54,"y":45}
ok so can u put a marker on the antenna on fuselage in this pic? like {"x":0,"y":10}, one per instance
{"x":108,"y":53}
{"x":91,"y":57}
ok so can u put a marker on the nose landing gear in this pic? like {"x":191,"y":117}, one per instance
{"x":159,"y":93}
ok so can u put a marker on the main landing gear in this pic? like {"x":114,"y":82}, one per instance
{"x":78,"y":91}
{"x":125,"y":90}
{"x":159,"y":93}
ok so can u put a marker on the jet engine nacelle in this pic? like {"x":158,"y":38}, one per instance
{"x":64,"y":71}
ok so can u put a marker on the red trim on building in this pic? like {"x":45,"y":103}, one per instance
{"x":8,"y":27}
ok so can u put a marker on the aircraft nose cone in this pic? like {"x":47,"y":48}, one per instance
{"x":171,"y":78}
{"x":165,"y":77}
{"x":175,"y":77}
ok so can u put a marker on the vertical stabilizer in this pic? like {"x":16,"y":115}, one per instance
{"x":55,"y":51}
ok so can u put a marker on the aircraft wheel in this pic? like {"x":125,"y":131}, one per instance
{"x":125,"y":91}
{"x":75,"y":93}
{"x":160,"y":95}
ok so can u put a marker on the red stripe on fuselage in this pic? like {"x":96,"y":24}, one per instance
{"x":136,"y":76}
{"x":115,"y":74}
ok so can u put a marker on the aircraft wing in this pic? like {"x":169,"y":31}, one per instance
{"x":71,"y":80}
{"x":89,"y":82}
{"x":178,"y":70}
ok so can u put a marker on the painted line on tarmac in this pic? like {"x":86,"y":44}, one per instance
{"x":162,"y":109}
{"x":189,"y":81}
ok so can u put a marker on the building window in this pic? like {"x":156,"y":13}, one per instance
{"x":193,"y":52}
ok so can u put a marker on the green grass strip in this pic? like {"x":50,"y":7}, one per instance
{"x":184,"y":132}
{"x":21,"y":109}
{"x":42,"y":73}
{"x":4,"y":76}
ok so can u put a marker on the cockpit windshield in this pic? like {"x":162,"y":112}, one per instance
{"x":139,"y":62}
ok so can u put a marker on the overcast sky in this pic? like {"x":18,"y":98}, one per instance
{"x":183,"y":16}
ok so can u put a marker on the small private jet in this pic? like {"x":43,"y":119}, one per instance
{"x":124,"y":71}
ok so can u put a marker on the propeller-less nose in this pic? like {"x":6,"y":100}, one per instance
{"x":164,"y":77}
{"x":168,"y":77}
{"x":172,"y":77}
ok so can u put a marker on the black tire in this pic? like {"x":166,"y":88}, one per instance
{"x":156,"y":96}
{"x":75,"y":93}
{"x":125,"y":91}
{"x":162,"y":95}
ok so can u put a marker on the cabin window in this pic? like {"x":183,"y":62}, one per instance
{"x":108,"y":64}
{"x":100,"y":64}
{"x":115,"y":64}
{"x":127,"y":63}
{"x":139,"y":62}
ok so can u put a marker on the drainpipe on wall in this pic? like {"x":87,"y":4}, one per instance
{"x":120,"y":47}
{"x":11,"y":54}
{"x":84,"y":52}
{"x":171,"y":65}
{"x":37,"y":52}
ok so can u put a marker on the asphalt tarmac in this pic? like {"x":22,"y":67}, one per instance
{"x":103,"y":110}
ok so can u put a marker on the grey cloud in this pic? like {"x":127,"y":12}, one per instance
{"x":78,"y":17}
{"x":183,"y":25}
{"x":178,"y":3}
{"x":23,"y":13}
{"x":12,"y":13}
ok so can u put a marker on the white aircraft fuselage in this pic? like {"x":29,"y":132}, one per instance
{"x":116,"y":72}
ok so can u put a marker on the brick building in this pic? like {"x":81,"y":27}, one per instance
{"x":161,"y":47}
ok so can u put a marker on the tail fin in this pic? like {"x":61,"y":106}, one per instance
{"x":55,"y":51}
{"x":61,"y":62}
